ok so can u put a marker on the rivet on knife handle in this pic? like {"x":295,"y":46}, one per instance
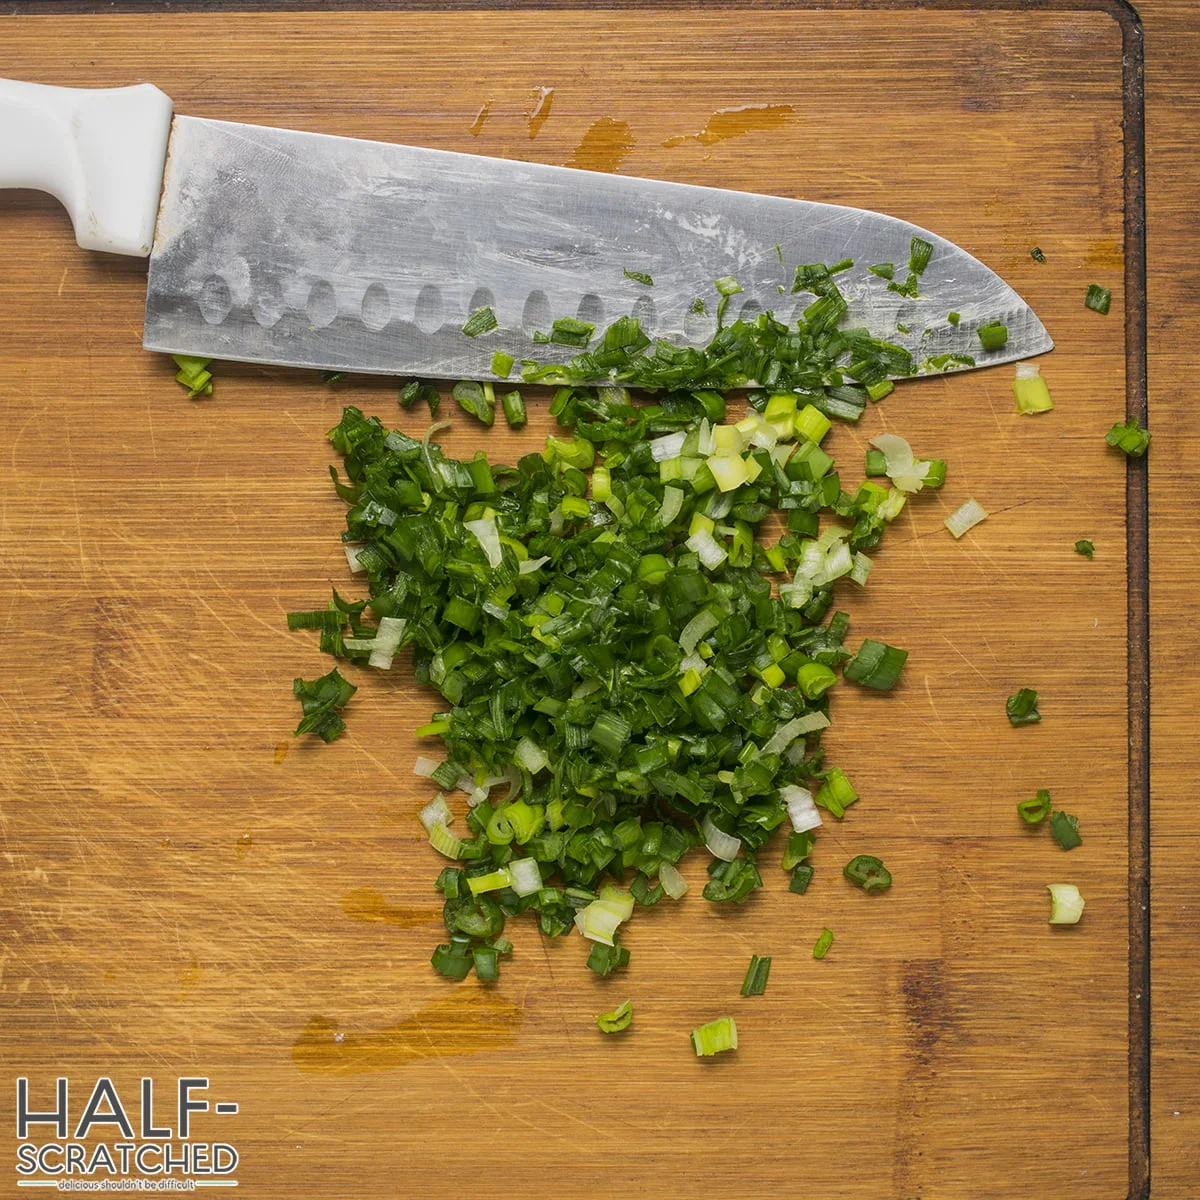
{"x":98,"y":150}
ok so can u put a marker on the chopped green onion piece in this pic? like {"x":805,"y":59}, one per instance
{"x":965,"y":517}
{"x":502,"y":364}
{"x":320,"y":699}
{"x":757,"y":974}
{"x":193,"y":374}
{"x":1066,"y":904}
{"x":1030,"y":390}
{"x":884,"y":270}
{"x":992,"y":335}
{"x":953,"y":318}
{"x":823,"y":943}
{"x":1022,"y":707}
{"x":920,"y":252}
{"x":1098,"y":298}
{"x":715,"y":1037}
{"x":453,"y":959}
{"x":482,"y":320}
{"x":638,"y":277}
{"x":332,"y":377}
{"x":570,"y":331}
{"x":1037,"y":254}
{"x":876,"y":464}
{"x":444,"y":842}
{"x":487,"y":962}
{"x":1130,"y":438}
{"x":513,"y":404}
{"x":493,"y":881}
{"x":727,"y":286}
{"x":605,"y":959}
{"x":836,"y":794}
{"x":1034,"y":811}
{"x":799,"y":847}
{"x":671,"y":881}
{"x":868,"y":872}
{"x":1084,"y":547}
{"x":617,"y":1020}
{"x":801,"y":877}
{"x":477,"y":399}
{"x":1066,"y":830}
{"x":876,"y":665}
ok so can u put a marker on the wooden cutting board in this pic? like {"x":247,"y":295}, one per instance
{"x":188,"y":892}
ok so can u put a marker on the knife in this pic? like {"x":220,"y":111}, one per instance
{"x":307,"y":250}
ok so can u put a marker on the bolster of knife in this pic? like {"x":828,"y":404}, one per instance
{"x":100,"y":151}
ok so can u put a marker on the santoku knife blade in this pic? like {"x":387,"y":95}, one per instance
{"x":301,"y":249}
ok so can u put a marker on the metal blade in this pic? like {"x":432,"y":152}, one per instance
{"x":306,"y":250}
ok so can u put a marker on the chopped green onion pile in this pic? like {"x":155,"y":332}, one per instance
{"x":632,"y":666}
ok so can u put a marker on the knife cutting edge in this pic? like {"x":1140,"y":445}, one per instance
{"x":308,"y":250}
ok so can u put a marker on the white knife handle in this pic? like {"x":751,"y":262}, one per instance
{"x":101,"y":151}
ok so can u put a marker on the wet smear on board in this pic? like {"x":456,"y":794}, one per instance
{"x":733,"y":122}
{"x":366,"y":904}
{"x":539,"y":109}
{"x":476,"y":126}
{"x":465,"y":1022}
{"x":604,"y":147}
{"x":281,"y":750}
{"x":242,"y":846}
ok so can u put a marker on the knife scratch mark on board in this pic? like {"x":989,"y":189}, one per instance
{"x":476,"y":126}
{"x":539,"y":109}
{"x":733,"y":122}
{"x":604,"y":147}
{"x":63,"y":281}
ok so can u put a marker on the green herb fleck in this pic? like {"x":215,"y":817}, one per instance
{"x":1084,"y":547}
{"x":638,"y":277}
{"x":193,"y":374}
{"x":1034,"y":811}
{"x":868,"y":872}
{"x":320,"y":699}
{"x":992,"y":335}
{"x":1066,"y":830}
{"x":481,"y":321}
{"x":1022,"y":707}
{"x":619,"y":1019}
{"x":757,"y":974}
{"x":1098,"y":299}
{"x":1130,"y":438}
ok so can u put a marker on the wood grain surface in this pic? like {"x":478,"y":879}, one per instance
{"x":188,"y":891}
